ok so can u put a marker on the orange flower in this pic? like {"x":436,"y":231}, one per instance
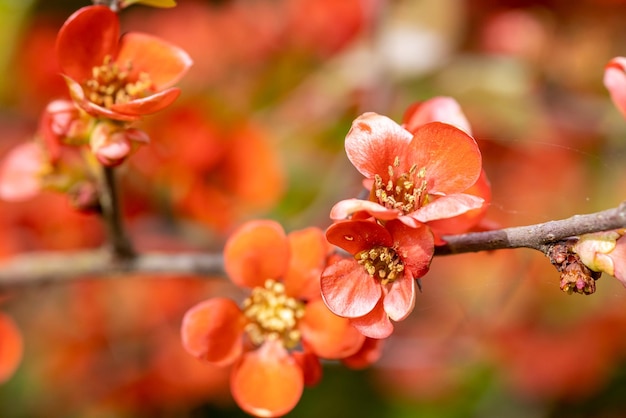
{"x":274,"y":341}
{"x":117,"y":78}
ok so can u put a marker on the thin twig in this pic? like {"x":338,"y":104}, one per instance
{"x":121,"y":246}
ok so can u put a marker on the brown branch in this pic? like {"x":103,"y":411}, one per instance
{"x":121,"y":247}
{"x":537,"y":236}
{"x":46,"y":267}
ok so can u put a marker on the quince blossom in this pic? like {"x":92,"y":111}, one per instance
{"x":378,"y":284}
{"x":117,"y":78}
{"x":415,"y":177}
{"x":275,"y":339}
{"x":615,"y":82}
{"x":11,"y":347}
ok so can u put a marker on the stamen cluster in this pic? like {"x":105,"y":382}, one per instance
{"x":381,"y":262}
{"x":273,"y":314}
{"x":400,"y":192}
{"x":110,"y":84}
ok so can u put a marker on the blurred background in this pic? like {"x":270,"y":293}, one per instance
{"x":258,"y":132}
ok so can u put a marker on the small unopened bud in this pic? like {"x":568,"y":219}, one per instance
{"x":576,"y":277}
{"x":604,"y":252}
{"x":84,"y":197}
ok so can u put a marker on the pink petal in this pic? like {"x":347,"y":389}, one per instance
{"x":348,"y":290}
{"x":373,"y":142}
{"x":400,"y":300}
{"x":19,"y":172}
{"x":345,"y":208}
{"x":86,"y":37}
{"x":164,"y":62}
{"x":356,"y":236}
{"x":615,"y":82}
{"x":414,"y":245}
{"x":447,"y":207}
{"x":375,"y":324}
{"x":450,"y":157}
{"x":437,"y":109}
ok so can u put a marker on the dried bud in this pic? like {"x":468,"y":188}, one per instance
{"x":576,"y":277}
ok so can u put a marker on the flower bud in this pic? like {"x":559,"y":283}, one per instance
{"x":604,"y":252}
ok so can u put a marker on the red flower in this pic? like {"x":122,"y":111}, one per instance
{"x":117,"y":78}
{"x":415,"y":177}
{"x":378,"y":284}
{"x":615,"y":82}
{"x":11,"y":347}
{"x":283,"y":312}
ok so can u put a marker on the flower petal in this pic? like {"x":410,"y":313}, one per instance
{"x":11,"y":347}
{"x":267,"y":382}
{"x":447,"y":207}
{"x":414,"y":245}
{"x":86,"y":37}
{"x":310,"y":365}
{"x":19,"y":172}
{"x":164,"y":62}
{"x":615,"y":82}
{"x":309,"y":250}
{"x":345,"y":208}
{"x":375,"y":324}
{"x":400,"y":300}
{"x":147,"y":105}
{"x":437,"y":109}
{"x":450,"y":157}
{"x":356,"y":236}
{"x":257,"y":251}
{"x":78,"y":96}
{"x":213,"y":331}
{"x":348,"y":290}
{"x":328,"y":335}
{"x":370,"y":352}
{"x":373,"y":142}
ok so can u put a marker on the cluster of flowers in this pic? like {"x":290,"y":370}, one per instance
{"x":113,"y":81}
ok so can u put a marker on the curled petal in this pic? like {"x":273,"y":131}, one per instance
{"x":165,"y":63}
{"x":368,"y":354}
{"x":375,"y":324}
{"x":615,"y":82}
{"x":257,"y":251}
{"x":213,"y":330}
{"x":437,"y":109}
{"x":78,"y":96}
{"x":309,"y":250}
{"x":267,"y":382}
{"x":11,"y":347}
{"x":20,"y":172}
{"x":448,"y":207}
{"x":348,"y":290}
{"x":328,"y":335}
{"x":147,"y":105}
{"x":450,"y":157}
{"x":345,"y":208}
{"x":356,"y":236}
{"x":400,"y":300}
{"x":86,"y":37}
{"x":618,"y":255}
{"x":373,"y":142}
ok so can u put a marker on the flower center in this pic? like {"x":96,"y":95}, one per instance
{"x":110,"y":84}
{"x":381,"y":262}
{"x":405,"y":192}
{"x":273,"y":314}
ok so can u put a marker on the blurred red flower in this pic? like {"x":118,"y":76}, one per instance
{"x":11,"y":347}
